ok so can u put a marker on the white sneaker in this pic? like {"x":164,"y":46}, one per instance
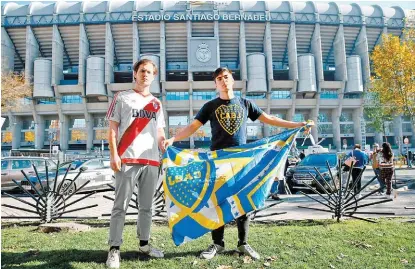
{"x":211,"y":251}
{"x":389,"y":196}
{"x":247,"y":250}
{"x":151,"y":251}
{"x":113,"y":260}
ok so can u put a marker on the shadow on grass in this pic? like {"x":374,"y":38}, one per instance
{"x":56,"y":258}
{"x":63,"y":258}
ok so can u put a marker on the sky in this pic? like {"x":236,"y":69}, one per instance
{"x":383,"y":3}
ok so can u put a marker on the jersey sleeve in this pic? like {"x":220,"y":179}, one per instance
{"x":114,"y":110}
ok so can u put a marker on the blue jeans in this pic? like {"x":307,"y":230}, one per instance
{"x":381,"y":182}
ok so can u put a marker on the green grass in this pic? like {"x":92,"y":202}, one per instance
{"x":297,"y":244}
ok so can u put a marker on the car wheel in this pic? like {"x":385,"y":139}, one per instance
{"x":66,"y":192}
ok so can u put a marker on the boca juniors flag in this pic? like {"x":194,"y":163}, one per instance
{"x":204,"y":191}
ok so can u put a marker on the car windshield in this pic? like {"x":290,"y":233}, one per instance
{"x":319,"y":160}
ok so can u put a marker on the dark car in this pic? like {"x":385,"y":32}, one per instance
{"x":299,"y":175}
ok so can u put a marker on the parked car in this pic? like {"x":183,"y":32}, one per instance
{"x":297,"y":176}
{"x":11,"y":169}
{"x":97,"y":170}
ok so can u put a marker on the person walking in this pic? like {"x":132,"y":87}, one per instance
{"x":136,"y":132}
{"x":385,"y":160}
{"x":228,"y":116}
{"x":361,"y":160}
{"x":375,"y":166}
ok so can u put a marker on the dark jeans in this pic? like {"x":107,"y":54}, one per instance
{"x":355,"y":174}
{"x":243,"y":226}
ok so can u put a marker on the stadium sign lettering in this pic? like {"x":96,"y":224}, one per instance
{"x":201,"y":17}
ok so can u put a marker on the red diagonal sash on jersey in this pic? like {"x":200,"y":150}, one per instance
{"x":136,"y":127}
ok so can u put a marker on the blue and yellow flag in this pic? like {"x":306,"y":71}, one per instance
{"x":204,"y":191}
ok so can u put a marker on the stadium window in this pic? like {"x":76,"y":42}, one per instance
{"x":45,"y":101}
{"x":329,"y":94}
{"x":281,"y":95}
{"x":71,"y":99}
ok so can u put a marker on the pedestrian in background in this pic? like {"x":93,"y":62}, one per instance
{"x":385,"y":160}
{"x":361,"y":160}
{"x":375,"y":166}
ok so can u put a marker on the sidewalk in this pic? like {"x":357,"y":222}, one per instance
{"x":405,"y":179}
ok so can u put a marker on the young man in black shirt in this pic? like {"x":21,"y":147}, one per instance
{"x":228,"y":116}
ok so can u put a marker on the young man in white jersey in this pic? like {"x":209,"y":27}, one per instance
{"x":136,"y":132}
{"x":225,"y":133}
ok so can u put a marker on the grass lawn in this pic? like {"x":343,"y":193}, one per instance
{"x":297,"y":244}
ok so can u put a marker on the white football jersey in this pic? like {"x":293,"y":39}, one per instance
{"x":139,"y":117}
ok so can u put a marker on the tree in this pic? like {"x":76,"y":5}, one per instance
{"x":393,"y":82}
{"x":13,"y":89}
{"x":377,"y":113}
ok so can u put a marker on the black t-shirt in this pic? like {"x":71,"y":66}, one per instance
{"x":228,"y":120}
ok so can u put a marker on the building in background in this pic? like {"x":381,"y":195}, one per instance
{"x":295,"y":60}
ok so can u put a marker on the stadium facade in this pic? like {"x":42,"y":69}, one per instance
{"x":296,"y":60}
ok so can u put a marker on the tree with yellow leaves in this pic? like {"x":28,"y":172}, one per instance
{"x":393,"y":82}
{"x":13,"y":89}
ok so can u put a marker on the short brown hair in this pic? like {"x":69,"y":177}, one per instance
{"x":219,"y":71}
{"x":357,"y":146}
{"x":145,"y":61}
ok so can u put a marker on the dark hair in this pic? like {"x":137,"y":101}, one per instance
{"x":387,"y":151}
{"x":219,"y":71}
{"x":357,"y":146}
{"x":145,"y":61}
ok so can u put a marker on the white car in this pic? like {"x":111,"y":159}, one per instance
{"x":97,"y":171}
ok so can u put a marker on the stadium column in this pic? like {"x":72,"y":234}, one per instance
{"x":293,"y":65}
{"x":57,"y":76}
{"x":270,"y":75}
{"x":361,"y":49}
{"x":190,"y":76}
{"x":39,"y":127}
{"x":316,"y":50}
{"x":84,"y":52}
{"x":32,"y":52}
{"x":242,"y":56}
{"x":216,"y":35}
{"x":162,"y":71}
{"x":16,"y":127}
{"x":7,"y":52}
{"x":335,"y":115}
{"x":357,"y":119}
{"x":339,"y":50}
{"x":109,"y":70}
{"x":398,"y":131}
{"x":136,"y":42}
